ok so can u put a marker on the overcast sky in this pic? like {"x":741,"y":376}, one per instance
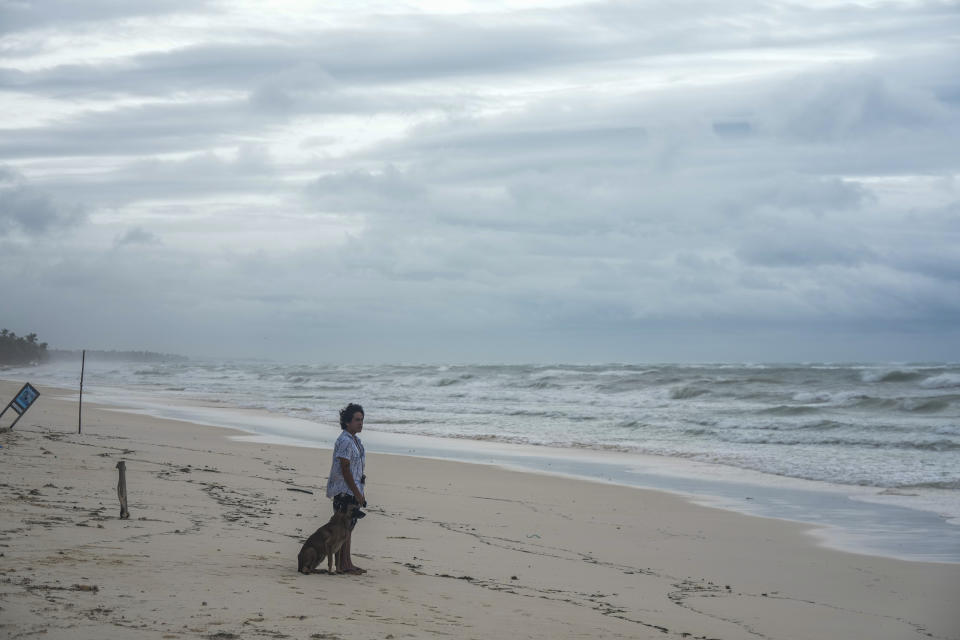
{"x":480,"y":181}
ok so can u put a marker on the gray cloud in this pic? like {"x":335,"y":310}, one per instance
{"x":793,"y":251}
{"x":322,"y":59}
{"x":26,"y":209}
{"x":133,"y":130}
{"x":851,"y":105}
{"x":189,"y":126}
{"x":404,"y":48}
{"x":136,"y":236}
{"x":32,"y":14}
{"x":388,"y":190}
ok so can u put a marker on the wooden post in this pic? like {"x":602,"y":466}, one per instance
{"x":83,"y":362}
{"x":122,"y":490}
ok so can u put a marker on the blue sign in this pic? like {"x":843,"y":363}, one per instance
{"x":25,"y":398}
{"x":21,"y":402}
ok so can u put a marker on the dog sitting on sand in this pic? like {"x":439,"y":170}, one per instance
{"x":327,"y":540}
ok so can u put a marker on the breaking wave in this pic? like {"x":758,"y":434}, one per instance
{"x":942,"y":381}
{"x":683,"y":393}
{"x":892,"y":375}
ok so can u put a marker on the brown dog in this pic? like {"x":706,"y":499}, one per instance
{"x":326,"y":542}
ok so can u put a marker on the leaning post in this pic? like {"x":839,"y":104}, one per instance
{"x":83,"y":362}
{"x":122,"y":490}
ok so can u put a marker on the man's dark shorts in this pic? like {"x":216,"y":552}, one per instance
{"x":340,"y":503}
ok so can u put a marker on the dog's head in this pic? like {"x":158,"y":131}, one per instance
{"x":353,"y":510}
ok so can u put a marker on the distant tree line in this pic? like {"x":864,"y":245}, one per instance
{"x":20,"y":350}
{"x":16,"y":349}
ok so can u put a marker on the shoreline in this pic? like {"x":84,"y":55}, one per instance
{"x":451,"y":549}
{"x":855,"y":519}
{"x":841,"y":517}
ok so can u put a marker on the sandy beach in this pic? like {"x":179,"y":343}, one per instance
{"x":450,"y":549}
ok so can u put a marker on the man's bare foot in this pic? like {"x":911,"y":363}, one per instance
{"x":354,"y":570}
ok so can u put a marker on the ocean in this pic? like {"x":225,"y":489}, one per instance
{"x":880,"y":435}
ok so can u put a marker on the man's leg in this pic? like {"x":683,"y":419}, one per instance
{"x":344,"y":562}
{"x":343,"y":556}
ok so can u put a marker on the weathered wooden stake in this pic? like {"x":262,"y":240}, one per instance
{"x":122,"y":490}
{"x":83,"y":362}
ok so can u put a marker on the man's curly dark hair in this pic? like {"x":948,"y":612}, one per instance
{"x":347,"y":413}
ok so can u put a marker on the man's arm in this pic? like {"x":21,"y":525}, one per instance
{"x":348,"y":476}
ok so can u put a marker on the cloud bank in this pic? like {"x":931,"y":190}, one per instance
{"x":561,"y":182}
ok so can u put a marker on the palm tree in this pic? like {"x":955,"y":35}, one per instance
{"x":25,"y":350}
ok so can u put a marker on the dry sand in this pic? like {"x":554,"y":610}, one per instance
{"x":451,"y":549}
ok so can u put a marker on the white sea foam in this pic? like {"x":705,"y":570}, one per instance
{"x":813,"y":397}
{"x":942,"y":381}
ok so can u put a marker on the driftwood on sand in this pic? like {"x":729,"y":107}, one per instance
{"x":122,"y":490}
